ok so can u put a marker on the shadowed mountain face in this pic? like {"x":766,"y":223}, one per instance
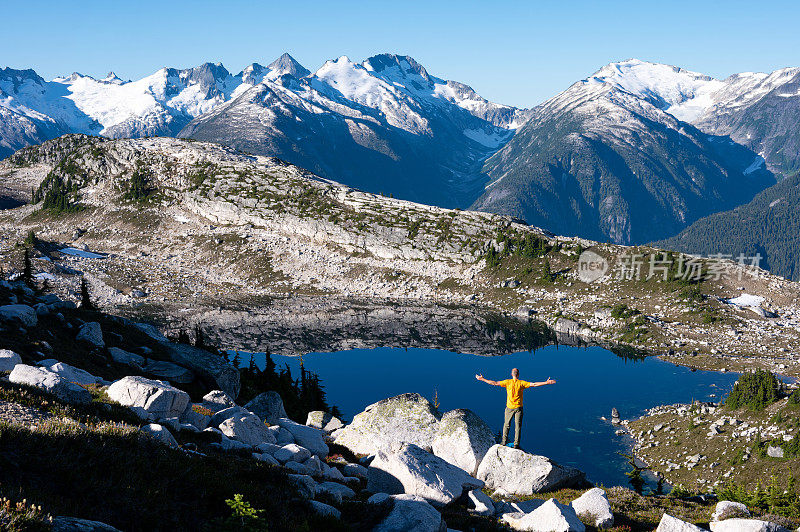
{"x":769,"y":226}
{"x":606,"y":162}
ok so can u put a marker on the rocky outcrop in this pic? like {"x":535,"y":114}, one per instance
{"x":50,"y":382}
{"x":149,"y":398}
{"x":268,"y":406}
{"x":214,"y":369}
{"x":517,"y":472}
{"x":463,"y":439}
{"x":412,"y":470}
{"x":407,"y":418}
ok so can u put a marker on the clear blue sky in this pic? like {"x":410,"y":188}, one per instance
{"x":519,"y":53}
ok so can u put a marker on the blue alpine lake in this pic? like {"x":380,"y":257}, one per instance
{"x":562,"y":421}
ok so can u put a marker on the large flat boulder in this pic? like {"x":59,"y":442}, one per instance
{"x":413,"y":470}
{"x":22,"y":314}
{"x":9,"y":359}
{"x":268,"y":406}
{"x":48,"y":381}
{"x":247,"y":428}
{"x":406,"y":418}
{"x":308,"y":437}
{"x":552,"y":516}
{"x":595,"y":503}
{"x":211,"y":368}
{"x":152,"y":398}
{"x":463,"y":439}
{"x":519,"y":473}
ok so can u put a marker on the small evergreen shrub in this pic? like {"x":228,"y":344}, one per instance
{"x":754,"y":391}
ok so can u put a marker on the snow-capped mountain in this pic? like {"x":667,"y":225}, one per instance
{"x":607,"y":159}
{"x":632,"y":153}
{"x":760,"y":111}
{"x":382,"y":125}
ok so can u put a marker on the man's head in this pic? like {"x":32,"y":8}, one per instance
{"x":515,"y":373}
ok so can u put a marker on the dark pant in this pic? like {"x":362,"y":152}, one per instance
{"x":516,"y":413}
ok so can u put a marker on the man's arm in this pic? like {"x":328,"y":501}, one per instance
{"x":487,"y":381}
{"x":545,"y":383}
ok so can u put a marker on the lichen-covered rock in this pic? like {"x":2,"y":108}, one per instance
{"x":552,"y":516}
{"x":50,"y":382}
{"x":9,"y":359}
{"x":463,"y":439}
{"x":595,"y":503}
{"x":406,"y":418}
{"x":323,"y":421}
{"x":154,"y":398}
{"x":519,"y":473}
{"x":268,"y":406}
{"x":415,"y":471}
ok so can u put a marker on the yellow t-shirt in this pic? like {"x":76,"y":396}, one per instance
{"x":514,"y":388}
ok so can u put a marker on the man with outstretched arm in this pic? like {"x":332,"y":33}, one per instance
{"x":514,"y":388}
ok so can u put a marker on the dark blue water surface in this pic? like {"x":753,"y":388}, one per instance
{"x":562,"y":421}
